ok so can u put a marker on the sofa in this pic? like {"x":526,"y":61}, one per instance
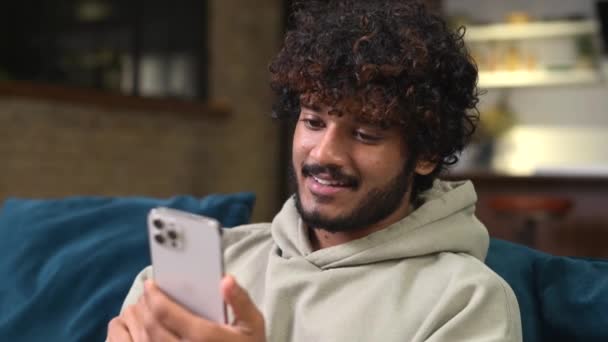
{"x":66,"y":265}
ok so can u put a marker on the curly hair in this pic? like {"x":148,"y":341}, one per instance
{"x":395,"y":62}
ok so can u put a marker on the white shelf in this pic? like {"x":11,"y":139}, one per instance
{"x":530,"y":30}
{"x":511,"y":79}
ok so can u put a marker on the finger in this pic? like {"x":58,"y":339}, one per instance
{"x":245,"y":312}
{"x":174,"y":318}
{"x":155,"y":330}
{"x":117,"y":331}
{"x":134,"y":323}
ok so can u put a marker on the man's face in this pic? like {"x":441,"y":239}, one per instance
{"x":349,"y":175}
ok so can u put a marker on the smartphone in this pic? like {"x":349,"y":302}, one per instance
{"x":187,"y":260}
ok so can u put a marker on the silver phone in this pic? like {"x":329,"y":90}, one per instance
{"x":186,"y":252}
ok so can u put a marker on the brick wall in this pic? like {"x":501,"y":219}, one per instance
{"x":57,"y":149}
{"x":244,"y":35}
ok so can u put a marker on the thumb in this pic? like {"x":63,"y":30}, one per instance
{"x":245,"y":312}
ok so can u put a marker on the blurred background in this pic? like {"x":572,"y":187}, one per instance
{"x":158,"y":97}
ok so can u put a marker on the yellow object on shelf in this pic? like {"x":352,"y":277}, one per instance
{"x":513,"y":58}
{"x":518,"y":18}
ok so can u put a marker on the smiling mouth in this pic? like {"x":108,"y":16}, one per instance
{"x":324,"y":188}
{"x":327,"y":179}
{"x":333,"y":183}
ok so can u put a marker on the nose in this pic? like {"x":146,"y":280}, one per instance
{"x":331,"y":148}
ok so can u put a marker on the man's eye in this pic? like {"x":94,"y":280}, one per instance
{"x":367,"y":138}
{"x":313,"y":124}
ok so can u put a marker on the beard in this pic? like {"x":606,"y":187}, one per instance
{"x":377,"y":204}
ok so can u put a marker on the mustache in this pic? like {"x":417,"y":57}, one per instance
{"x":334,"y":171}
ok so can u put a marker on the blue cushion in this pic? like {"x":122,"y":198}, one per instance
{"x":67,"y":264}
{"x":560,"y":298}
{"x":574,"y":299}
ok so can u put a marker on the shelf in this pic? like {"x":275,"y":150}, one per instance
{"x":92,"y":97}
{"x":510,"y":79}
{"x":533,"y":30}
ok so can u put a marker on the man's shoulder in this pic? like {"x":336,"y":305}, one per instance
{"x":247,"y":231}
{"x":462,"y":287}
{"x":246,"y":236}
{"x":466,"y":265}
{"x":471,"y":273}
{"x":490,"y":289}
{"x":246,"y":249}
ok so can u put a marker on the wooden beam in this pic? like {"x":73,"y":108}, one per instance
{"x":92,"y":97}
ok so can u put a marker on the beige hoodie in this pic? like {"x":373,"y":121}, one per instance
{"x":421,"y":279}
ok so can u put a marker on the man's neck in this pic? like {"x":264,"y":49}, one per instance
{"x":320,"y":238}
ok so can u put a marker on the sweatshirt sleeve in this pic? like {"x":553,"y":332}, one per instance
{"x":137,"y":289}
{"x":483,"y":309}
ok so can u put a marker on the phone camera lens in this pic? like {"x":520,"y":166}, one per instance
{"x":158,"y":224}
{"x":172,"y":234}
{"x":159,"y":238}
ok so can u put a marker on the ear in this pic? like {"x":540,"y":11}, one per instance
{"x":424,"y":167}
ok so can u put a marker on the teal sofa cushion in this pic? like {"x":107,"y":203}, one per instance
{"x":574,"y":299}
{"x":560,"y":298}
{"x":67,"y":264}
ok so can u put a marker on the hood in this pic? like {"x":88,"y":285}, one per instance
{"x":445,"y":222}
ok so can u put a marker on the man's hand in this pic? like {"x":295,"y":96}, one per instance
{"x":156,"y":317}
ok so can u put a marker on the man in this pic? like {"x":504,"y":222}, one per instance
{"x":382,"y":97}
